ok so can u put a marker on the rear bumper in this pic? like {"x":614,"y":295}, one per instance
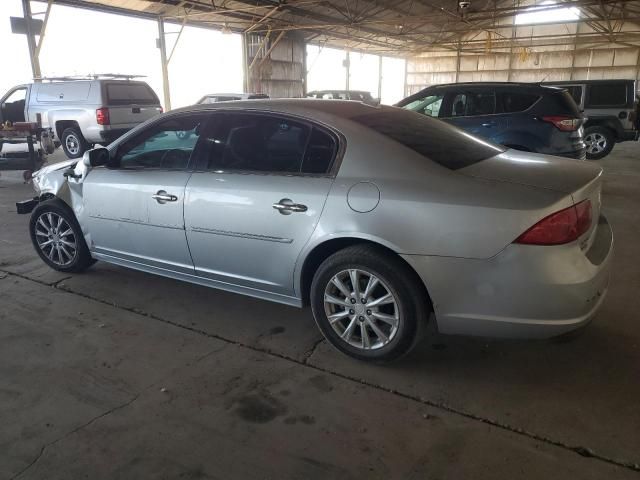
{"x":580,"y":154}
{"x":523,"y":292}
{"x":629,"y":135}
{"x":109,"y":136}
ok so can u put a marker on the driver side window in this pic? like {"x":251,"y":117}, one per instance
{"x":167,"y":145}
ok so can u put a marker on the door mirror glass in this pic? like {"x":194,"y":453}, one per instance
{"x":96,"y":157}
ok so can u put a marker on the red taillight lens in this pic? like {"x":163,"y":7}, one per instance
{"x":561,"y":227}
{"x":102,"y":116}
{"x":566,"y":124}
{"x":161,"y":110}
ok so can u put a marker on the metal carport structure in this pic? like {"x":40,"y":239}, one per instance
{"x":443,"y":40}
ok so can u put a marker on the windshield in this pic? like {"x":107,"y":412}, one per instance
{"x":450,"y":147}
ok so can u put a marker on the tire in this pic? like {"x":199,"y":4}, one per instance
{"x":599,"y":140}
{"x":73,"y":143}
{"x":49,"y":222}
{"x":398,"y":324}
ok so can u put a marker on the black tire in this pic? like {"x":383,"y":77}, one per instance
{"x":411,"y":307}
{"x":73,"y":143}
{"x":49,"y":212}
{"x":599,"y":140}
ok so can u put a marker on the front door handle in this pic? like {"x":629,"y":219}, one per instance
{"x":163,"y":197}
{"x":489,"y":124}
{"x":287,"y":207}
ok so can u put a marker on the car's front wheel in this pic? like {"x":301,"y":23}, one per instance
{"x":599,"y":141}
{"x":367,"y":303}
{"x":57,"y":237}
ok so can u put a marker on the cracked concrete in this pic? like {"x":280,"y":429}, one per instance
{"x":252,"y":391}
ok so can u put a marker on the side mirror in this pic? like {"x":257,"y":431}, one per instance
{"x":96,"y":157}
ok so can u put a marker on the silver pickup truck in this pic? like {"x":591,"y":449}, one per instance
{"x":81,"y":113}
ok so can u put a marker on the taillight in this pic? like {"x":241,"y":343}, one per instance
{"x":102,"y":116}
{"x":564,"y":123}
{"x":161,"y":110}
{"x":561,"y":227}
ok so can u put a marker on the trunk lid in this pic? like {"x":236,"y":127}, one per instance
{"x":577,"y":178}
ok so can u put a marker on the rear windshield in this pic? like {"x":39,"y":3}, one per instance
{"x":130,"y":93}
{"x":450,"y":147}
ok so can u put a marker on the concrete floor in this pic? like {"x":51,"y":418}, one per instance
{"x":119,"y":374}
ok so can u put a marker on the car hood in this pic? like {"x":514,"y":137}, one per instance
{"x":534,"y":170}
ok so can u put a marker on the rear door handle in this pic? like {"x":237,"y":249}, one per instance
{"x":287,"y":207}
{"x":163,"y":197}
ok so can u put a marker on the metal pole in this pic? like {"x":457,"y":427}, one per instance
{"x":347,"y":64}
{"x":165,"y":65}
{"x":245,"y":64}
{"x":31,"y":41}
{"x":380,"y":78}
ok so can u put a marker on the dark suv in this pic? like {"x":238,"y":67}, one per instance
{"x":522,"y":116}
{"x":611,"y":108}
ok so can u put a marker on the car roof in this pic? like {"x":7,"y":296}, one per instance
{"x":518,"y":85}
{"x":307,"y":107}
{"x":588,"y":82}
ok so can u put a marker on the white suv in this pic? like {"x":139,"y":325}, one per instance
{"x":81,"y":113}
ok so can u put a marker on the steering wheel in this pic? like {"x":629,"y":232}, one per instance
{"x":173,"y":157}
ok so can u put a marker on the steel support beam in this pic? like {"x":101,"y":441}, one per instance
{"x":165,"y":64}
{"x":347,"y":64}
{"x":31,"y":42}
{"x":380,"y":77}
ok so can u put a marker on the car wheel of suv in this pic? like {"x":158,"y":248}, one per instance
{"x":368,"y":304}
{"x":599,"y":141}
{"x":57,"y":237}
{"x":73,"y":143}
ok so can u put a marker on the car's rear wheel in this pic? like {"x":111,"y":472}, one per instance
{"x":599,"y":141}
{"x":57,"y":237}
{"x":73,"y":143}
{"x":367,"y":303}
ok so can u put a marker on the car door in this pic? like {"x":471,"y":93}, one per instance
{"x":134,"y":207}
{"x":474,"y":111}
{"x":256,"y":199}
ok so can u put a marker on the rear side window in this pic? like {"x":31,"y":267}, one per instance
{"x":513,"y":102}
{"x":450,"y":147}
{"x":607,"y":95}
{"x":130,"y":93}
{"x":470,"y":104}
{"x":266,"y":143}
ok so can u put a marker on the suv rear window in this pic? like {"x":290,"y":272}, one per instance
{"x":436,"y":140}
{"x":513,"y":102}
{"x":607,"y":95}
{"x":127,"y":94}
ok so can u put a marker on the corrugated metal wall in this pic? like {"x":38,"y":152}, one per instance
{"x":435,"y":68}
{"x":277,"y":71}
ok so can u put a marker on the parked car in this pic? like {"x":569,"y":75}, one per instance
{"x":521,"y":116}
{"x":227,"y":97}
{"x":81,"y":113}
{"x":377,"y":217}
{"x":612,"y":110}
{"x":357,"y":95}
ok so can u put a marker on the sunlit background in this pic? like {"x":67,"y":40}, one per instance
{"x":80,"y":42}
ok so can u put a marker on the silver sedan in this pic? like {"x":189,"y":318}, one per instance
{"x":378,"y":218}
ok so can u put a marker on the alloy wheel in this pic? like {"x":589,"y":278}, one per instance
{"x":73,"y":144}
{"x":361,"y":309}
{"x":596,"y":143}
{"x":56,"y":239}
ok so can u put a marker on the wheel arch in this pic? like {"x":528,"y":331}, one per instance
{"x":328,"y":247}
{"x":612,"y":124}
{"x":62,"y":125}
